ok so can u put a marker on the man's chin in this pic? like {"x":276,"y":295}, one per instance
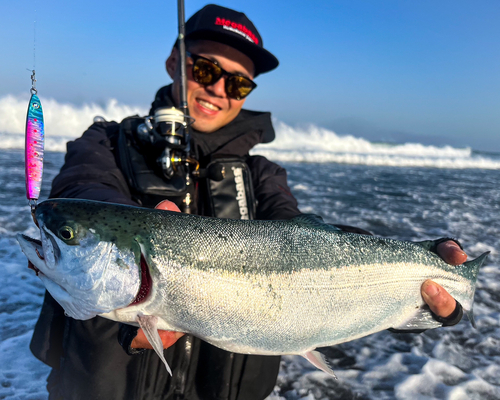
{"x":206,"y":125}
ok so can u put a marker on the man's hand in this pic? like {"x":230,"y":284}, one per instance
{"x":439,"y":300}
{"x":170,"y":206}
{"x":168,"y":338}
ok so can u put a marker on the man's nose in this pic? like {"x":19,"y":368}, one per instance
{"x":219,"y":87}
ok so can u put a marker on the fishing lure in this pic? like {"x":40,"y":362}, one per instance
{"x":34,"y":147}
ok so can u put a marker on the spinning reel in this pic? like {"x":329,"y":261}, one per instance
{"x":168,"y":129}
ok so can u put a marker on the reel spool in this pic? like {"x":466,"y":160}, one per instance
{"x":168,"y":129}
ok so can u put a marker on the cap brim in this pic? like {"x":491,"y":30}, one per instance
{"x":263,"y":60}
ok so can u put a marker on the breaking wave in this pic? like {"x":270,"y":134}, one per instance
{"x":64,"y":122}
{"x":316,"y":144}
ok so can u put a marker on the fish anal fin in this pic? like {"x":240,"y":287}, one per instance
{"x":319,"y":361}
{"x":421,"y":320}
{"x":148,"y":324}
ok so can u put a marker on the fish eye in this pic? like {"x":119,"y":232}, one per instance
{"x":66,"y":233}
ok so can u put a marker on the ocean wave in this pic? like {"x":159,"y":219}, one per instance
{"x":315,"y":144}
{"x":65,"y":122}
{"x":312,"y":138}
{"x":378,"y":160}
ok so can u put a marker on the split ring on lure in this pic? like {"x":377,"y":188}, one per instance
{"x":34,"y":146}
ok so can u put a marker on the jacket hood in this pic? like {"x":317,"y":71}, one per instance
{"x":237,"y":138}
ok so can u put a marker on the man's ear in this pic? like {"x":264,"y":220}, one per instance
{"x":172,"y":62}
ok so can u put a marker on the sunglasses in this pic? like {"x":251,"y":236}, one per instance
{"x":206,"y":72}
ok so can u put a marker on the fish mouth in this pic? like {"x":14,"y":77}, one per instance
{"x":146,"y":283}
{"x":36,"y":245}
{"x":33,"y":250}
{"x":32,"y":266}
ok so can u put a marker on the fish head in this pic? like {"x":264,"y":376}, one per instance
{"x":83,"y":261}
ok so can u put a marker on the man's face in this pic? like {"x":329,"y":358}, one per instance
{"x":210,"y":105}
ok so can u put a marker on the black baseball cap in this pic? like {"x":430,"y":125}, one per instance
{"x":233,"y":28}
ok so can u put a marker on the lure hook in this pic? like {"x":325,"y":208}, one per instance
{"x":32,"y":203}
{"x":33,"y":83}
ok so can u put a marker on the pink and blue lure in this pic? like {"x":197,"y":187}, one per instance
{"x":34,"y":147}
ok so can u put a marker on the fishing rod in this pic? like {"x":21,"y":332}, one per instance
{"x":182,"y":52}
{"x":170,"y":127}
{"x":184,"y":105}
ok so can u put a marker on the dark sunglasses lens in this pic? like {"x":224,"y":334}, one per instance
{"x":238,"y":87}
{"x":205,"y":72}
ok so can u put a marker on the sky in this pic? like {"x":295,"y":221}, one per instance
{"x":385,"y":70}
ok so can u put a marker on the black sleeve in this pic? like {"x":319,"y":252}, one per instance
{"x":90,"y":170}
{"x":274,"y":199}
{"x":47,"y":341}
{"x":432,"y":245}
{"x":127,"y":333}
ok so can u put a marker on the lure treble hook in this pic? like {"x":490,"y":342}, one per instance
{"x":33,"y":83}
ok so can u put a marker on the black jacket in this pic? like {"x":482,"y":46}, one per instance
{"x":87,"y":360}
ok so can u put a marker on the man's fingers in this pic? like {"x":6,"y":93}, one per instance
{"x":167,"y":205}
{"x":439,"y":300}
{"x":168,"y":338}
{"x":451,"y":253}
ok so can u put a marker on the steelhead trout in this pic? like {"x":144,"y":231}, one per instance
{"x":254,"y":287}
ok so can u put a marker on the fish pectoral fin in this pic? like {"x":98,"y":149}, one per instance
{"x":148,"y":324}
{"x":319,"y":361}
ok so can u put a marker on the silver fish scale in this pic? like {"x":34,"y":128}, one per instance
{"x":283,"y":287}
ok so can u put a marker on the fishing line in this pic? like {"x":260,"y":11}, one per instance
{"x":34,"y":43}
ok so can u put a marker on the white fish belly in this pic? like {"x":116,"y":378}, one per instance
{"x":290,"y":313}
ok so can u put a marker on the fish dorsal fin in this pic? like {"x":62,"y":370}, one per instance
{"x":319,"y":361}
{"x":313,"y":221}
{"x":149,"y":324}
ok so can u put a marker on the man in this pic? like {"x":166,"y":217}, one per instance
{"x":100,"y":359}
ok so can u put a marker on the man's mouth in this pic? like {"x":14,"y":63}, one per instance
{"x":208,"y":105}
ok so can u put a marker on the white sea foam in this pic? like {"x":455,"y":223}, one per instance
{"x":316,"y":139}
{"x":316,"y":144}
{"x":453,"y":363}
{"x":379,"y":160}
{"x":64,"y":122}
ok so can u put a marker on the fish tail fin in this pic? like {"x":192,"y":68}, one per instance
{"x":423,"y":318}
{"x":470,"y":315}
{"x":470,"y":270}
